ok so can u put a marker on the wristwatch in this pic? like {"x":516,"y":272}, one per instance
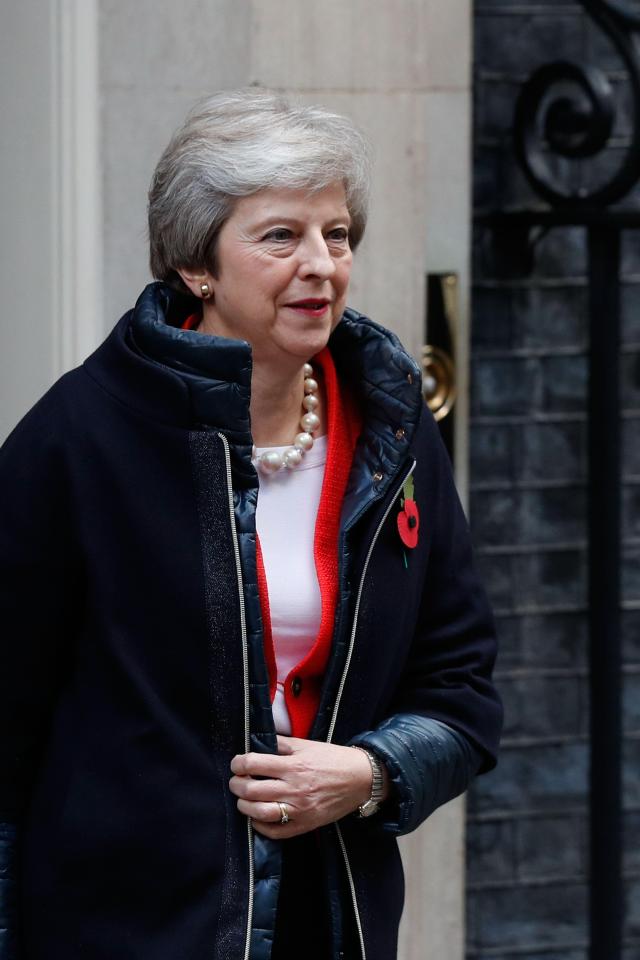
{"x":372,"y":805}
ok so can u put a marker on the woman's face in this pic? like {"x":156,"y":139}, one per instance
{"x":284,"y":263}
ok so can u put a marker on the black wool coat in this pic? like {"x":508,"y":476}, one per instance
{"x":132,"y":666}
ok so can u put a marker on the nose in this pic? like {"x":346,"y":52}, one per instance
{"x":316,"y":259}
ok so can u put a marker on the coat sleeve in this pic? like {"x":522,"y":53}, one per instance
{"x":37,"y":583}
{"x":428,"y":764}
{"x":446,"y":716}
{"x":37,"y":579}
{"x":9,"y":946}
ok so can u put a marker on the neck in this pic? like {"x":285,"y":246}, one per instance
{"x":276,"y":405}
{"x":276,"y":394}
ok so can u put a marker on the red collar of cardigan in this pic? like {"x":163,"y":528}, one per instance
{"x":304,"y":683}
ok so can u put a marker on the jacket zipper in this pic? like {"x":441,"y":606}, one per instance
{"x":245,"y":667}
{"x":343,"y":681}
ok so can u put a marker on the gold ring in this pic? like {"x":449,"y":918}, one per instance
{"x":284,"y":813}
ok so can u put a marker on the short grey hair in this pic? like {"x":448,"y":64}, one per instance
{"x":234,"y":144}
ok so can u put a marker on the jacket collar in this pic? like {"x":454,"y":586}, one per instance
{"x":180,"y":377}
{"x":187,"y":379}
{"x":389,"y":386}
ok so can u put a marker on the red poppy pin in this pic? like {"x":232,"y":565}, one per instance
{"x":409,"y":518}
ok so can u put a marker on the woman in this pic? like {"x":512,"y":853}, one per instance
{"x":231,"y":552}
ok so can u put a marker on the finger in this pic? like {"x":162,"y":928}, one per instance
{"x":281,"y":832}
{"x":286,"y":745}
{"x":266,"y":812}
{"x":258,"y":765}
{"x":256,"y":790}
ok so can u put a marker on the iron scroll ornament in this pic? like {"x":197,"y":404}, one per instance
{"x":565,"y":116}
{"x":577,"y":121}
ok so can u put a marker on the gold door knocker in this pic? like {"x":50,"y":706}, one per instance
{"x":438,"y":369}
{"x":438,"y":381}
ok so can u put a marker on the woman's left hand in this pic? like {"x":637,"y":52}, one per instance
{"x":319,"y":783}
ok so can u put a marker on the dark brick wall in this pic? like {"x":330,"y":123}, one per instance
{"x":527,"y":822}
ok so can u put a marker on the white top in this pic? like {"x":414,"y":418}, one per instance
{"x":285,"y":518}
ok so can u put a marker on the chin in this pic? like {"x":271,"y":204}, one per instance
{"x":307,"y":344}
{"x":313,"y":345}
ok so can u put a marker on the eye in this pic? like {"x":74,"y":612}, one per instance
{"x":339,"y":234}
{"x":278,"y":235}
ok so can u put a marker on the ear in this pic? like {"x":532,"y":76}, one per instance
{"x":199,"y":282}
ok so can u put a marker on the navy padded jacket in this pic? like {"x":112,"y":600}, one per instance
{"x":133,"y":667}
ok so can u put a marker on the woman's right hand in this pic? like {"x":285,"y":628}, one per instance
{"x":317,"y":782}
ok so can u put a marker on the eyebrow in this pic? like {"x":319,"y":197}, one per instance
{"x":275,"y":220}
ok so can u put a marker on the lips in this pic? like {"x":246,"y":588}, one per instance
{"x":311,"y":303}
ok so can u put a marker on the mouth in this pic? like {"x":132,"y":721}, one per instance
{"x":310,"y":305}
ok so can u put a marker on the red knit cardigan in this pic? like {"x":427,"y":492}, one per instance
{"x":303,"y":684}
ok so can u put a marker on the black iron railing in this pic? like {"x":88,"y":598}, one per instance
{"x":568,"y":110}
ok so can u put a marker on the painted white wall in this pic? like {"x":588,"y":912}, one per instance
{"x":26,"y":260}
{"x":155,"y":61}
{"x":51,"y":232}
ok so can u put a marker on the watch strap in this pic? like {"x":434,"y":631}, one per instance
{"x":372,"y":805}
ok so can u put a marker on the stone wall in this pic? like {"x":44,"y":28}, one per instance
{"x":528,"y":823}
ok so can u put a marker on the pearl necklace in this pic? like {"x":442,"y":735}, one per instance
{"x":271,"y":461}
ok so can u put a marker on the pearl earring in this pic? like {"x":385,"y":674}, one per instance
{"x":205,"y":290}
